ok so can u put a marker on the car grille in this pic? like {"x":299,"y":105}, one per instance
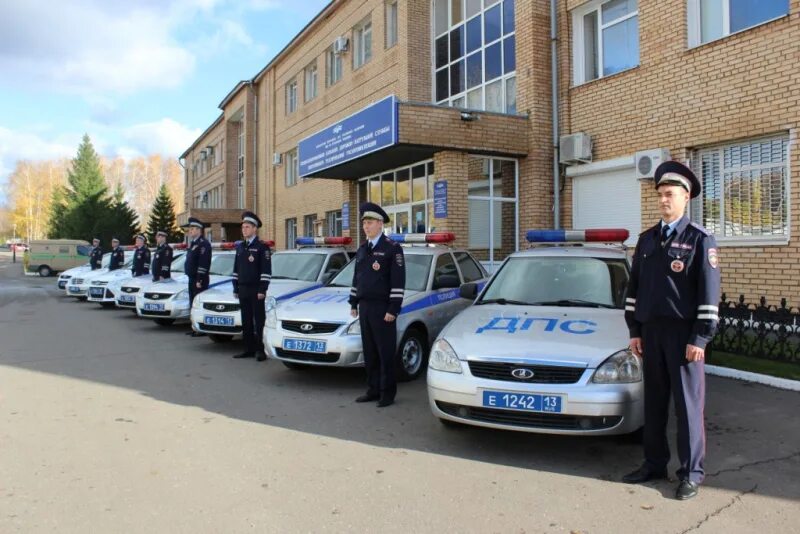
{"x":552,"y":421}
{"x":130,"y":289}
{"x":126,"y":304}
{"x":155,"y":313}
{"x":97,"y":291}
{"x":221,"y":329}
{"x":542,"y":374}
{"x":316,"y":328}
{"x":329,"y":357}
{"x":77,"y":281}
{"x":101,"y":283}
{"x":215,"y":306}
{"x":157,"y":296}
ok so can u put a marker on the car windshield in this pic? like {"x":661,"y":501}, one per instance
{"x":297,"y":266}
{"x":177,"y":264}
{"x":106,"y":260}
{"x":222,"y":265}
{"x":557,"y":281}
{"x":128,"y":260}
{"x":418,"y":267}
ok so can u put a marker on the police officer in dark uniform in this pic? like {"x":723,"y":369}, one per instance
{"x":379,"y":280}
{"x":141,"y":257}
{"x":672,"y":313}
{"x":95,"y":255}
{"x":198,"y":262}
{"x":117,"y":256}
{"x":162,"y":259}
{"x":252,"y":272}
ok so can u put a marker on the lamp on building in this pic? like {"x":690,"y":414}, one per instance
{"x":468,"y":116}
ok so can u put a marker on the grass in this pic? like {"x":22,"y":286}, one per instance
{"x":778,"y":369}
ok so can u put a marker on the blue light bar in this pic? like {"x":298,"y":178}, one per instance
{"x":433,"y":237}
{"x":605,"y":235}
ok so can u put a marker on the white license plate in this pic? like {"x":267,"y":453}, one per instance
{"x":74,"y":289}
{"x":522,"y":401}
{"x":127,"y":298}
{"x":153,"y":307}
{"x":96,"y":291}
{"x":305,"y":345}
{"x":217,"y":320}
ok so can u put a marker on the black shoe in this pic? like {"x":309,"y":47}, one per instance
{"x":643,"y":474}
{"x":197,"y":334}
{"x":244,"y":355}
{"x":260,"y":356}
{"x":383,"y":403}
{"x":686,"y":490}
{"x":367,"y":398}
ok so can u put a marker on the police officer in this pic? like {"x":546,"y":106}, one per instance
{"x":672,"y":313}
{"x":379,"y":280}
{"x":162,"y":259}
{"x":117,"y":256}
{"x":252,"y":272}
{"x":198,"y":261}
{"x":96,"y":255}
{"x":141,"y":257}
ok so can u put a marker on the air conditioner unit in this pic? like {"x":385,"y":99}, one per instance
{"x":575,"y":148}
{"x":203,"y":154}
{"x":277,"y":158}
{"x":646,"y":162}
{"x":340,"y":45}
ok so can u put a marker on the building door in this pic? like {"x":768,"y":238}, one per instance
{"x":400,"y":216}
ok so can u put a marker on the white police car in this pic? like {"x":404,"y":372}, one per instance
{"x":126,"y":296}
{"x":316,"y":328}
{"x":544,"y":348}
{"x":167,"y":301}
{"x":294,"y":272}
{"x":65,"y":276}
{"x":105,"y":289}
{"x":78,"y":285}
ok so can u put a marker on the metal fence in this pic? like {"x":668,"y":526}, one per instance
{"x":758,"y":330}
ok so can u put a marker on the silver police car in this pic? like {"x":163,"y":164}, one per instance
{"x":126,"y":296}
{"x":66,"y":276}
{"x":545,"y":346}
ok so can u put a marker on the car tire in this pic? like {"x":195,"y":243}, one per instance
{"x":412,"y":355}
{"x":164,"y":322}
{"x":296,"y":366}
{"x":220,"y":338}
{"x":45,"y":271}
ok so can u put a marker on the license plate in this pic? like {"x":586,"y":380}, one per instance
{"x":153,"y":307}
{"x":127,"y":298}
{"x":218,"y":320}
{"x":73,"y":289}
{"x":305,"y":345}
{"x":96,"y":291}
{"x":522,"y":401}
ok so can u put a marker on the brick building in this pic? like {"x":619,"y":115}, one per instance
{"x":469,"y":137}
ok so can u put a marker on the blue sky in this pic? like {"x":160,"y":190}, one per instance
{"x":139,"y":77}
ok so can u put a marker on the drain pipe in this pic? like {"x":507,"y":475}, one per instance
{"x":555,"y":103}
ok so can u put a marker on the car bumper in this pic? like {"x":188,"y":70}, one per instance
{"x":172,"y":309}
{"x":77,"y":291}
{"x":586,"y":408}
{"x":341,"y":350}
{"x":129,"y":304}
{"x":201,"y":319}
{"x":100,"y":294}
{"x":62,"y":283}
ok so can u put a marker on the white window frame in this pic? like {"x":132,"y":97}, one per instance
{"x":334,"y":67}
{"x":311,"y":79}
{"x":362,"y":33}
{"x":392,"y":23}
{"x":694,"y":23}
{"x":291,"y":97}
{"x":578,"y":48}
{"x":290,"y":227}
{"x":240,"y":173}
{"x":333,"y":222}
{"x":292,"y":168}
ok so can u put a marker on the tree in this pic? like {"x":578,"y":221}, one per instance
{"x":123,"y":222}
{"x":58,"y":213}
{"x":162,"y":217}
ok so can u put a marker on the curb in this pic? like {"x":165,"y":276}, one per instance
{"x":727,"y":372}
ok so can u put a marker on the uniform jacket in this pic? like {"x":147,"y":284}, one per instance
{"x":141,"y":262}
{"x":162,"y":262}
{"x":198,"y":260}
{"x":676,"y":279}
{"x":95,"y":257}
{"x":117,"y":259}
{"x":379,"y":275}
{"x":253,"y":266}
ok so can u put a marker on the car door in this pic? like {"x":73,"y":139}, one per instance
{"x":444,"y":292}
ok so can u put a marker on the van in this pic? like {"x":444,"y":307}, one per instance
{"x":50,"y":256}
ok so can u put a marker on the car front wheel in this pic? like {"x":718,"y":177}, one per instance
{"x":411,"y":355}
{"x":45,"y":271}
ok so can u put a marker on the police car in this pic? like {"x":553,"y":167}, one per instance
{"x":294,"y":272}
{"x":105,"y":289}
{"x":66,"y":276}
{"x":544,"y":348}
{"x":167,"y":301}
{"x":316,"y":328}
{"x":126,"y":296}
{"x":78,"y":285}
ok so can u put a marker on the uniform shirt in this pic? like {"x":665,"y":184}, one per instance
{"x":198,"y":260}
{"x":95,"y":257}
{"x":380,"y":275}
{"x":253,"y":266}
{"x":141,"y":262}
{"x":675,"y":279}
{"x":162,"y":262}
{"x":117,"y":259}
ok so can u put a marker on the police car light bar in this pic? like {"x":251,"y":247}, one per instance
{"x":304,"y":241}
{"x":433,"y":237}
{"x":180,"y":246}
{"x":230,"y":245}
{"x":605,"y":235}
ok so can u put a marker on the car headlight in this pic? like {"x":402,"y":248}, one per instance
{"x":354,"y":329}
{"x":621,"y":368}
{"x":182,"y":294}
{"x":272,"y":313}
{"x":444,"y":358}
{"x":271,"y":303}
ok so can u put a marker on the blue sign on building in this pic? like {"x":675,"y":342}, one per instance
{"x":440,"y":199}
{"x":373,"y":128}
{"x":346,"y":216}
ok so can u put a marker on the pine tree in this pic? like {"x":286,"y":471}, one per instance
{"x":123,"y":222}
{"x":162,"y":217}
{"x":85,"y":178}
{"x":58,"y":213}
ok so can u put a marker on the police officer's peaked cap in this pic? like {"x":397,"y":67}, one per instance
{"x":676,"y":173}
{"x":370,"y":210}
{"x":162,"y":232}
{"x":115,"y":239}
{"x":252,"y":218}
{"x":141,"y":236}
{"x":194,"y":221}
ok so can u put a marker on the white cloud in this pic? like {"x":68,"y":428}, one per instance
{"x":167,"y":137}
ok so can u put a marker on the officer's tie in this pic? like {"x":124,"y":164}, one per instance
{"x":369,"y":247}
{"x":665,"y":231}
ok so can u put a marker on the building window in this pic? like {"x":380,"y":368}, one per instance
{"x":291,"y":97}
{"x":311,"y":82}
{"x":334,"y":67}
{"x":362,"y":43}
{"x":745,"y":190}
{"x":605,"y":38}
{"x":333,"y":223}
{"x":291,"y":168}
{"x":218,"y":154}
{"x":391,"y":23}
{"x":709,"y":20}
{"x":474,"y":55}
{"x":240,"y":173}
{"x":291,"y":232}
{"x":308,"y":225}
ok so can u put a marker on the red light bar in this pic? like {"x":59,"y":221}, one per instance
{"x":180,"y":246}
{"x":607,"y":235}
{"x":433,"y":237}
{"x":270,"y":243}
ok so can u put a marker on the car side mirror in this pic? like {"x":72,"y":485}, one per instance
{"x":468,"y":291}
{"x":445,"y":281}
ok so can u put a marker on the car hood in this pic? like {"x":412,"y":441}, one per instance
{"x":581,"y":336}
{"x":76,"y":270}
{"x":179,"y":283}
{"x":279,"y":289}
{"x":328,"y":303}
{"x":113,"y":276}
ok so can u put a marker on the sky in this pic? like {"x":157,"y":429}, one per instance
{"x":140,"y":76}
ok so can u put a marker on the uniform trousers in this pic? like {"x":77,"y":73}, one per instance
{"x":253,"y":317}
{"x":379,"y":341}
